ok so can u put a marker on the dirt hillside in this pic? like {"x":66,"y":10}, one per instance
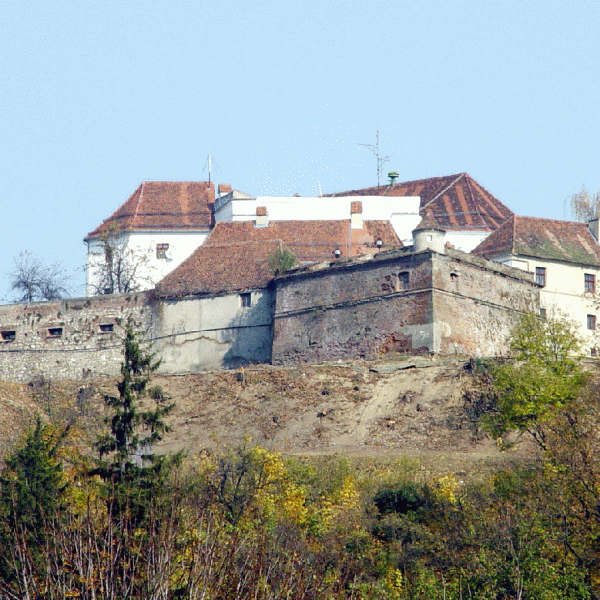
{"x":391,"y":408}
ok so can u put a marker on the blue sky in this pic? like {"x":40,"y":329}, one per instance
{"x":97,"y":97}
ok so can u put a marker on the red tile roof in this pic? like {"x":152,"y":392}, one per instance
{"x":310,"y":241}
{"x":221,"y":268}
{"x":163,"y":205}
{"x":457,"y":202}
{"x":567,"y":241}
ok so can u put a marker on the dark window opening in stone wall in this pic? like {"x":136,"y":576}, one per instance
{"x":8,"y":336}
{"x":106,"y":328}
{"x":404,"y":278}
{"x":55,"y":332}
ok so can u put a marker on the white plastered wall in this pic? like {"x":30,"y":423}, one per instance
{"x":142,"y":246}
{"x":403,"y":212}
{"x":215,"y":332}
{"x":565,"y":293}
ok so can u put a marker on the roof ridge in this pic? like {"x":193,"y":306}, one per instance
{"x":446,"y":189}
{"x":514,"y":234}
{"x":137,"y":206}
{"x":469,"y":181}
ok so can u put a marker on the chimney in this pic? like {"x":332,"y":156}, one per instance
{"x":224,"y":189}
{"x":261,"y":217}
{"x":356,"y":218}
{"x":593,"y":227}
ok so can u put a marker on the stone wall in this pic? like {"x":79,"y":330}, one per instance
{"x":68,"y":339}
{"x":399,"y":301}
{"x":477,"y":302}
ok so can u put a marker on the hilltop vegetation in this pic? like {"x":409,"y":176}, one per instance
{"x":349,"y":481}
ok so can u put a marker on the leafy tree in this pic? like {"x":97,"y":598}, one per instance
{"x":543,"y":376}
{"x":126,"y":460}
{"x":282,"y":260}
{"x":33,"y":281}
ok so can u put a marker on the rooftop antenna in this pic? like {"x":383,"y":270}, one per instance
{"x":381,"y":160}
{"x":209,"y":163}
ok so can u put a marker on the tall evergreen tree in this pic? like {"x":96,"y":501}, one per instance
{"x":127,"y":462}
{"x":31,"y":501}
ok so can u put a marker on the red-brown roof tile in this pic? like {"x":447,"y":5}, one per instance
{"x":550,"y":239}
{"x":221,"y":268}
{"x":310,"y":241}
{"x":457,"y":202}
{"x":163,"y":205}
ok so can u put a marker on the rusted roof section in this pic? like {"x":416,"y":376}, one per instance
{"x":457,"y":202}
{"x":550,"y":239}
{"x":163,"y":205}
{"x":311,"y":241}
{"x":221,"y":268}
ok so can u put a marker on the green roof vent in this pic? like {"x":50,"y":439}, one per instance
{"x":393,"y":175}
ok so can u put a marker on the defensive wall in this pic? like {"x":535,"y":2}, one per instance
{"x":444,"y":303}
{"x":448,"y":303}
{"x":68,"y":339}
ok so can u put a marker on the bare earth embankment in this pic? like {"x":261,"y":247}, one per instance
{"x":415,"y":407}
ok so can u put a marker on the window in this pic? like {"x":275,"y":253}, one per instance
{"x":593,"y":352}
{"x":589,"y":282}
{"x":403,"y":280}
{"x":246,"y":300}
{"x":106,"y":328}
{"x":161,"y":251}
{"x":55,"y":332}
{"x":8,"y":336}
{"x":543,"y":314}
{"x":591,"y":322}
{"x":540,"y":276}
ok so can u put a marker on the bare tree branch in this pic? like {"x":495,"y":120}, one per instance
{"x":33,"y":281}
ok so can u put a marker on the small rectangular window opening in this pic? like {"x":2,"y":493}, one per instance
{"x":589,"y":282}
{"x":246,"y":299}
{"x":55,"y":332}
{"x":8,"y":336}
{"x":403,"y":278}
{"x":107,"y":327}
{"x":591,"y":322}
{"x":161,"y":251}
{"x":593,"y":351}
{"x":543,"y":314}
{"x":540,"y":276}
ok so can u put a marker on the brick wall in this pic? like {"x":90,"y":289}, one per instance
{"x":68,"y":339}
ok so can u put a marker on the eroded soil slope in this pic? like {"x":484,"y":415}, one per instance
{"x":391,"y":408}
